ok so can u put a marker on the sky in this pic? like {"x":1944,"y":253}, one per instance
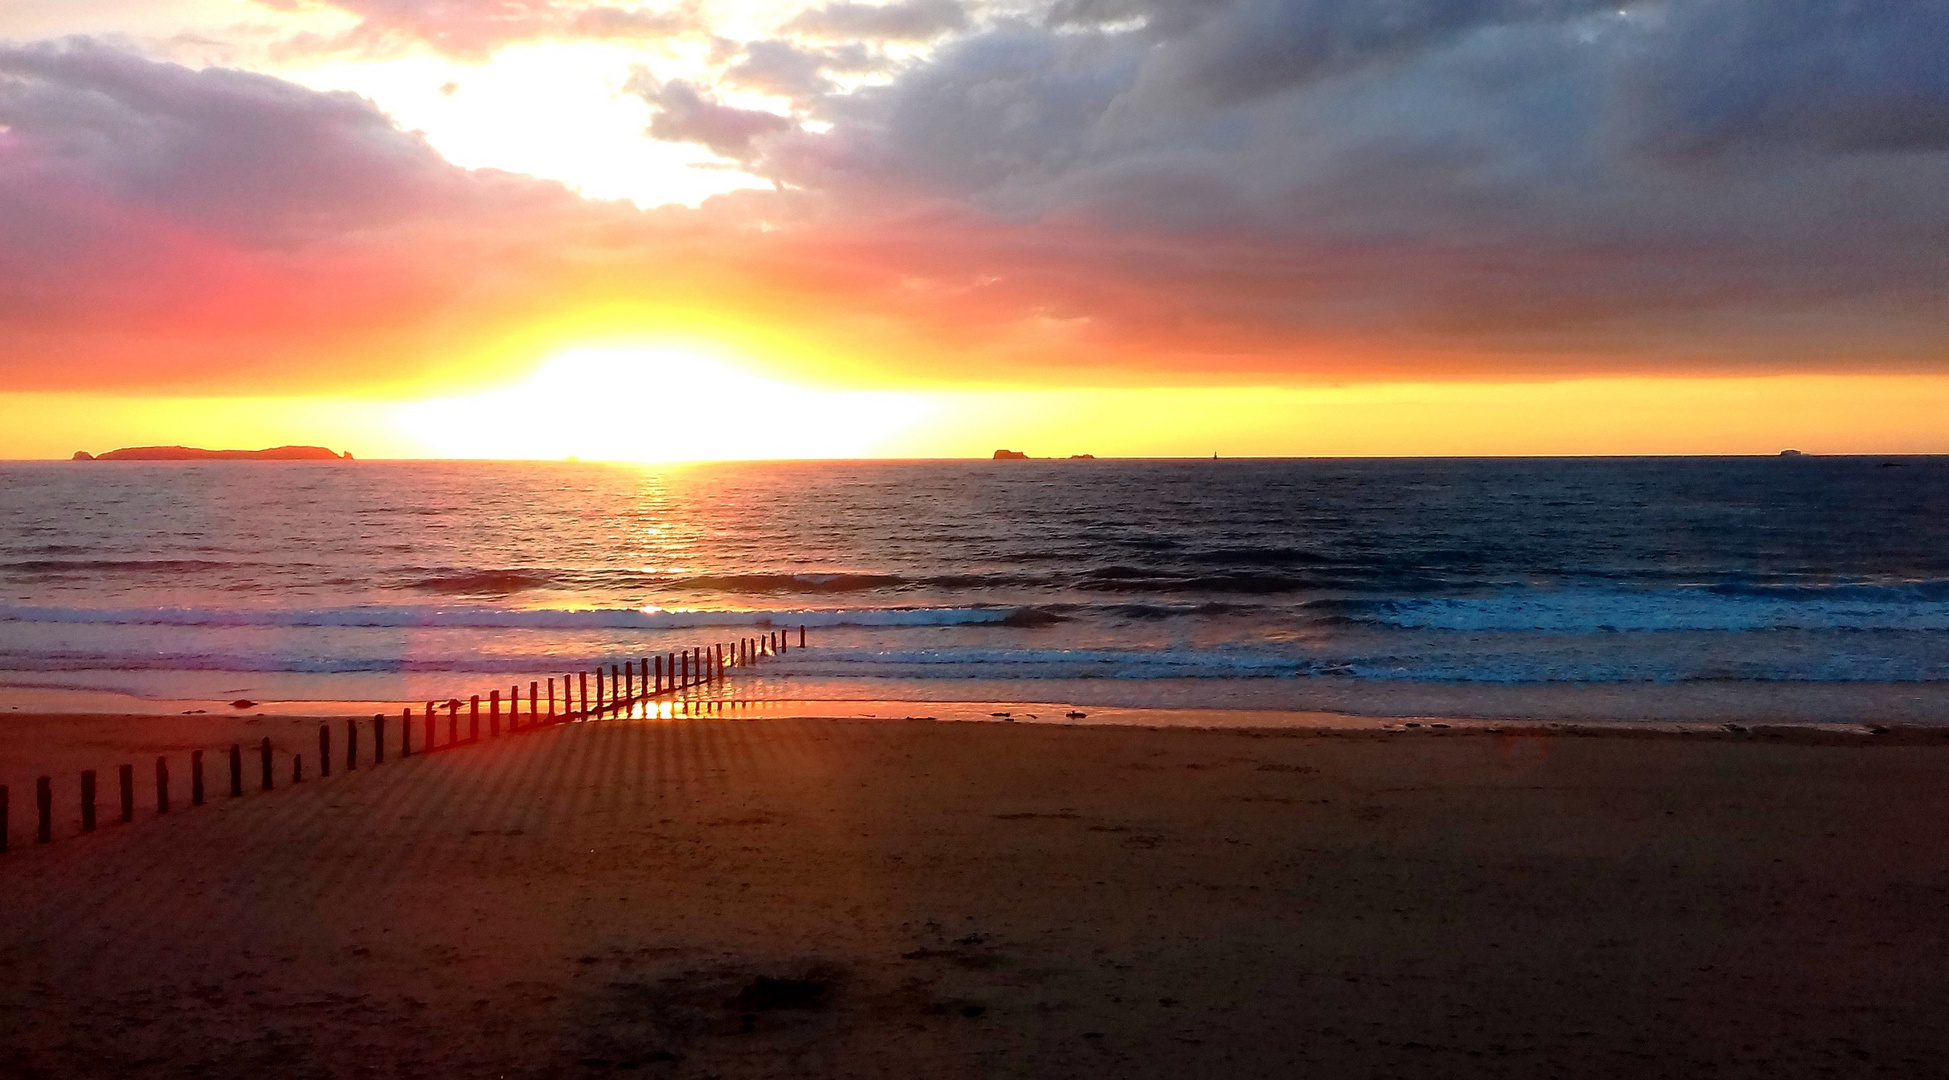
{"x":766,"y":228}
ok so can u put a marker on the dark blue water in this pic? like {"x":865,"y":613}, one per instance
{"x":389,"y":581}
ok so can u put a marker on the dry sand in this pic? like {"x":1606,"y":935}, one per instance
{"x":896,"y":898}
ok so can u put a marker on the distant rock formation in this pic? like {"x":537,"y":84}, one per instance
{"x":191,"y":453}
{"x":1791,"y":453}
{"x":1082,"y":457}
{"x":1010,"y":455}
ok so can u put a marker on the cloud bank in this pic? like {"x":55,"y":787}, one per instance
{"x":1089,"y":190}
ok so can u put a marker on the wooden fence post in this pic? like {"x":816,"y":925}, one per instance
{"x":801,"y":636}
{"x":264,"y":761}
{"x":44,"y":803}
{"x":534,"y":703}
{"x":87,"y":800}
{"x":351,"y":745}
{"x":162,"y":784}
{"x":128,"y":793}
{"x":600,"y":699}
{"x":514,"y":707}
{"x":583,"y":678}
{"x":629,"y":681}
{"x":473,"y":718}
{"x":658,"y":684}
{"x":494,"y":713}
{"x":551,"y":696}
{"x":453,"y":721}
{"x":406,"y":732}
{"x":426,"y":744}
{"x":236,"y":771}
{"x":196,"y":778}
{"x":378,"y":738}
{"x":324,"y":749}
{"x":720,"y":662}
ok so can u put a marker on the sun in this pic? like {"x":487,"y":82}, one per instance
{"x":652,"y":403}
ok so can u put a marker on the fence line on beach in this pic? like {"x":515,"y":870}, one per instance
{"x":618,"y":688}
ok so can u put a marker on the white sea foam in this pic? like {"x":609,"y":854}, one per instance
{"x":1590,"y":611}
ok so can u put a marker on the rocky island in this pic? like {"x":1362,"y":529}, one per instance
{"x":192,"y":453}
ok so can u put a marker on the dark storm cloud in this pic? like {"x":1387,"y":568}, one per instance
{"x":1835,"y":76}
{"x":1495,"y":171}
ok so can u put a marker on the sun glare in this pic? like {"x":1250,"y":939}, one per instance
{"x":649,"y":403}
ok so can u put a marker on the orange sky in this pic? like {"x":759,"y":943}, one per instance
{"x":933,"y":227}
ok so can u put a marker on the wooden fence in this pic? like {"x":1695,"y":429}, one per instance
{"x":606,"y":692}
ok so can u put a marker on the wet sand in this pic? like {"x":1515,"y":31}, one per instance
{"x":892,"y":898}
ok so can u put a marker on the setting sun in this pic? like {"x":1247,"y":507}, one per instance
{"x":650,"y":403}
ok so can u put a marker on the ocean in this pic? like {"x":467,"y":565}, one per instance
{"x":1261,"y":583}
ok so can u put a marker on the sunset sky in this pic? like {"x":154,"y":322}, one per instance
{"x":701,"y":229}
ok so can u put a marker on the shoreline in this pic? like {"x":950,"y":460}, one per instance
{"x":1908,"y":704}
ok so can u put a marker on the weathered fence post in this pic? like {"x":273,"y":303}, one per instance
{"x":128,"y":793}
{"x":534,"y":703}
{"x":87,"y":800}
{"x":351,"y":745}
{"x":601,"y":698}
{"x":494,"y":713}
{"x":801,"y":637}
{"x":657,"y":686}
{"x":427,"y":743}
{"x":236,"y":771}
{"x":406,"y":733}
{"x":514,"y":707}
{"x":629,"y":681}
{"x":720,"y":662}
{"x":44,"y":803}
{"x":453,"y":721}
{"x":324,"y":749}
{"x":196,"y":778}
{"x":264,"y":761}
{"x":162,"y":784}
{"x":582,"y":677}
{"x":378,"y":738}
{"x":551,"y":697}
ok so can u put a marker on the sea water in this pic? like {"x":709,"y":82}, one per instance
{"x":1261,"y":582}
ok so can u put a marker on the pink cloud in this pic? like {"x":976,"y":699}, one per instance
{"x":1074,"y":203}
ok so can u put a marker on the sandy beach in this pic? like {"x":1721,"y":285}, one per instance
{"x":830,"y":897}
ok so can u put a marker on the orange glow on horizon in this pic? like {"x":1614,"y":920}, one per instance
{"x":649,"y":403}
